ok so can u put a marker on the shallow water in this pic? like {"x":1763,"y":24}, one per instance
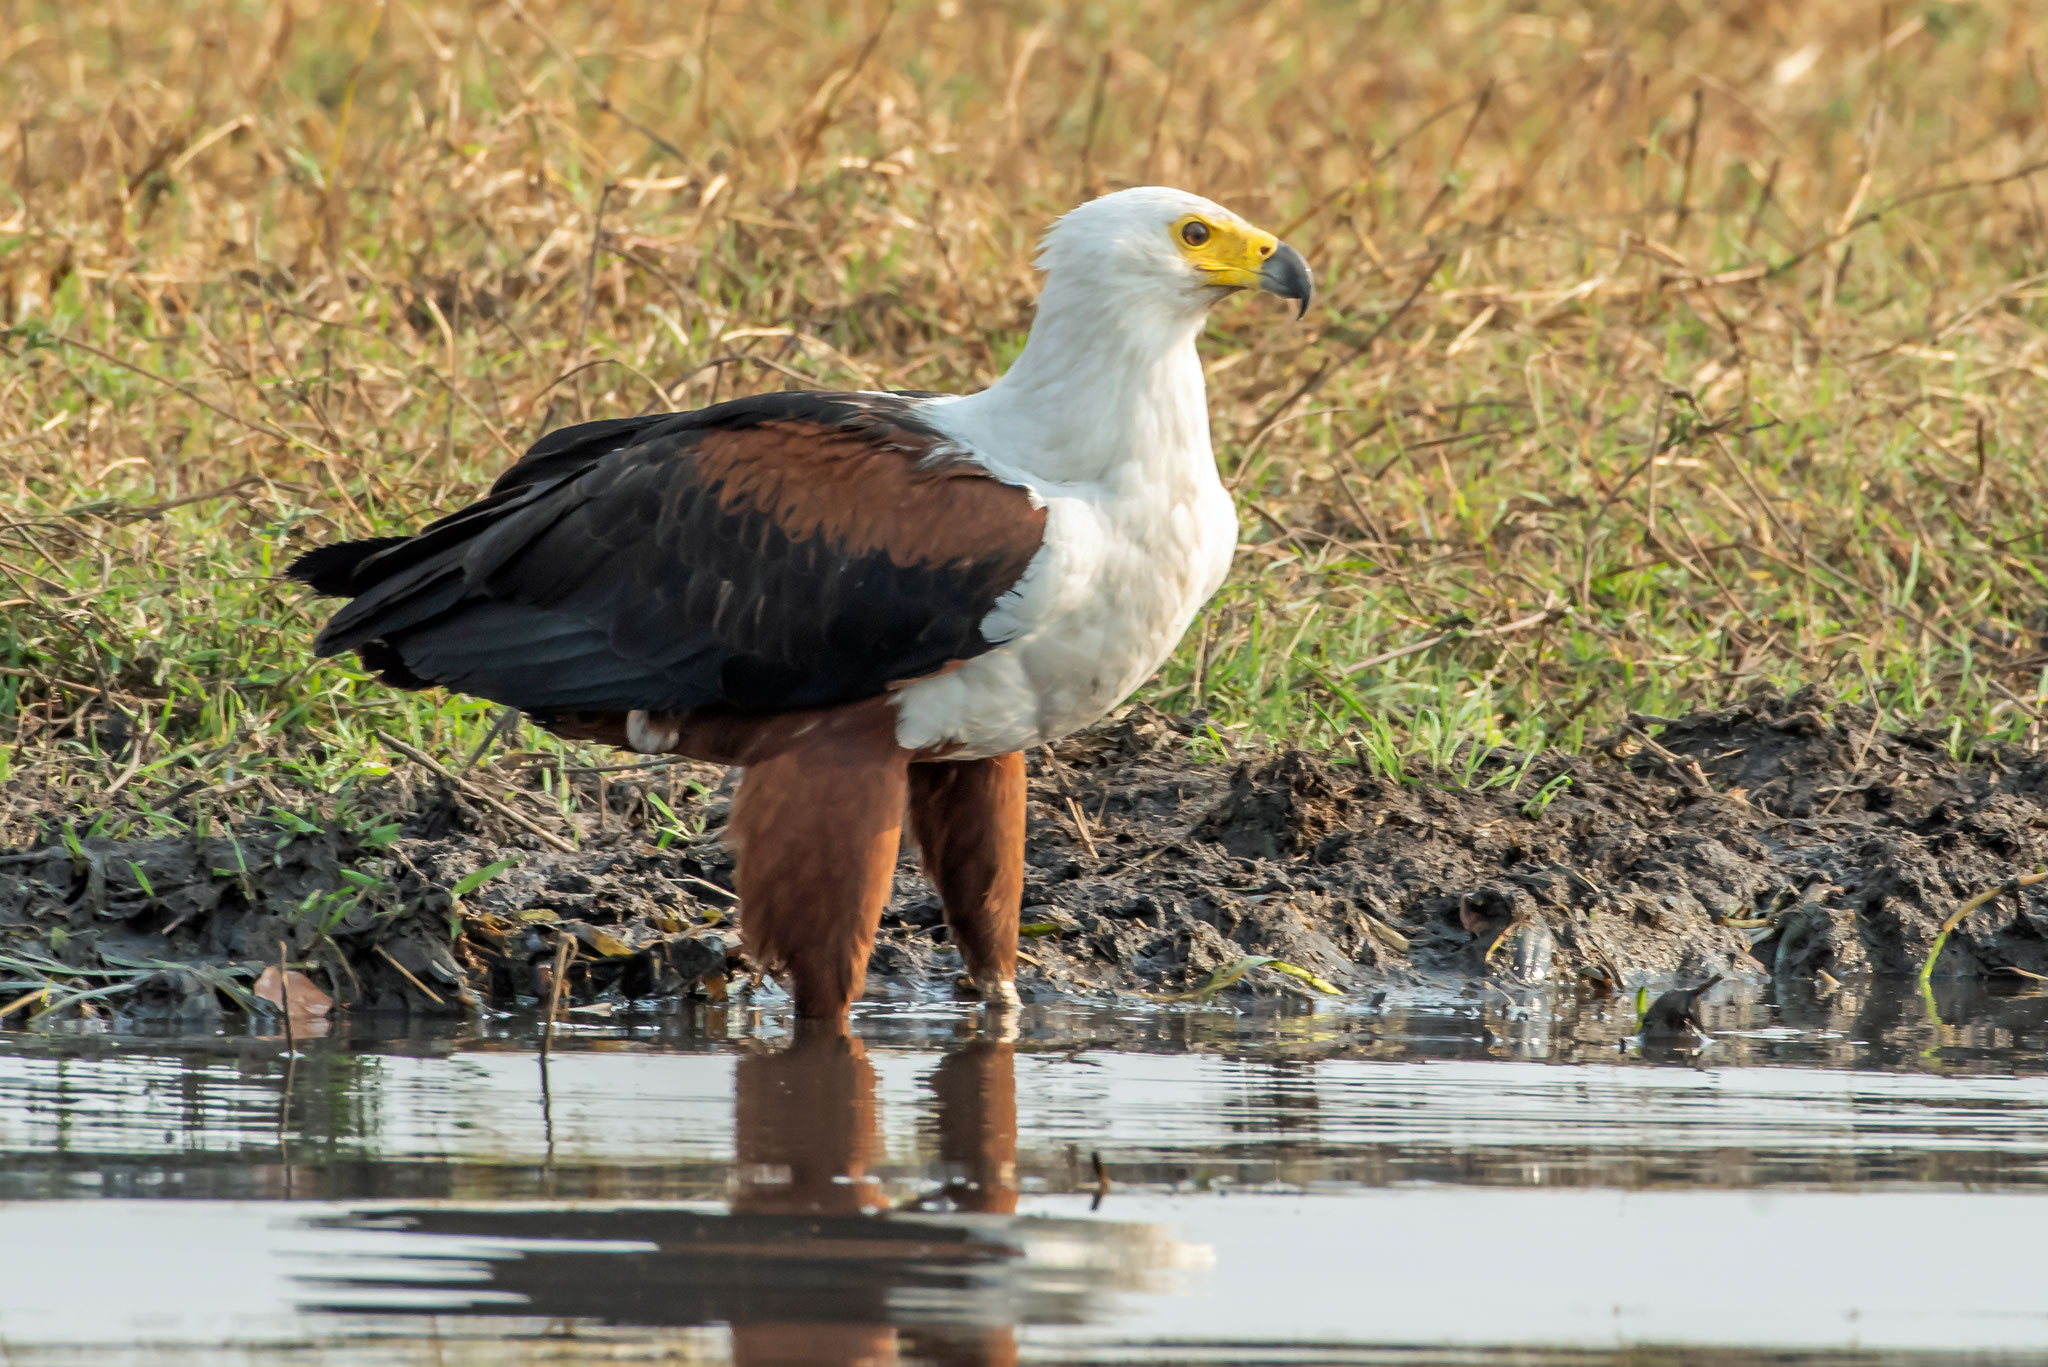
{"x":1436,"y":1177}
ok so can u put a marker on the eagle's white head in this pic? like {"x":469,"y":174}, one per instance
{"x":1152,"y":247}
{"x":1108,"y":383}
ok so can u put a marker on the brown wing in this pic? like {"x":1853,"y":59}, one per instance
{"x":790,"y":550}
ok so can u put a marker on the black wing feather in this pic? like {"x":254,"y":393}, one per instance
{"x":615,"y":568}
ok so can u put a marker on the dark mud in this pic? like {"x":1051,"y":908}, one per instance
{"x":1784,"y":837}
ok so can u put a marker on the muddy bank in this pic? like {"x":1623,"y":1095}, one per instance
{"x":1783,"y":837}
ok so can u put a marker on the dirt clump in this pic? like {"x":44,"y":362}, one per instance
{"x":1785,"y":837}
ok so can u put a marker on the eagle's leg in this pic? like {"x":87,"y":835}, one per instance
{"x":968,"y":819}
{"x":815,"y":830}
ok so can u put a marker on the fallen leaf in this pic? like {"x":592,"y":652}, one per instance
{"x":1224,"y":976}
{"x":598,"y":941}
{"x":1297,"y":971}
{"x":1384,"y":933}
{"x":308,"y":1002}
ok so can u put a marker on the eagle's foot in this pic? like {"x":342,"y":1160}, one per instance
{"x":1000,"y":992}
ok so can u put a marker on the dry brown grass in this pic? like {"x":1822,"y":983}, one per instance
{"x":281,"y":272}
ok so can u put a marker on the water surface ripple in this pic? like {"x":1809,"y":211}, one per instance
{"x":1450,"y":1177}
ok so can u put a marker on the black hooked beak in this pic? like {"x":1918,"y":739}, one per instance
{"x":1287,"y":275}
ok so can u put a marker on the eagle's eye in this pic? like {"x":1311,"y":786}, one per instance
{"x":1194,"y":232}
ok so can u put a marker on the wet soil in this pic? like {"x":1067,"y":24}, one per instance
{"x":1785,"y":837}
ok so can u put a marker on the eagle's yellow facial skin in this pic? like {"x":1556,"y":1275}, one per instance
{"x":1229,"y":251}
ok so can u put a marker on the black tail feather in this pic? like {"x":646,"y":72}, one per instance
{"x":330,"y":570}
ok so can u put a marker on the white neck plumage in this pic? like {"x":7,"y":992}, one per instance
{"x":1107,"y":390}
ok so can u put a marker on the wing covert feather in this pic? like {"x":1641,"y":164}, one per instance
{"x":794,"y":550}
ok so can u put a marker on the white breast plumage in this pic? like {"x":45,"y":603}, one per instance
{"x":1127,"y":563}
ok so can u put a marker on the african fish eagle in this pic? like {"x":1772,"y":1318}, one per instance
{"x":871,"y":602}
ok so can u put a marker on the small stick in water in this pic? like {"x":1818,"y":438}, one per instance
{"x":564,"y":946}
{"x":410,"y":977}
{"x":291,"y":1067}
{"x":1962,"y":913}
{"x":284,"y":997}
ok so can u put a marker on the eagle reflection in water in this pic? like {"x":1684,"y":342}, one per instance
{"x":817,"y":1260}
{"x":807,"y":1134}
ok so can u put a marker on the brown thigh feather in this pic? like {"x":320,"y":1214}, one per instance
{"x":815,"y":829}
{"x":968,"y":819}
